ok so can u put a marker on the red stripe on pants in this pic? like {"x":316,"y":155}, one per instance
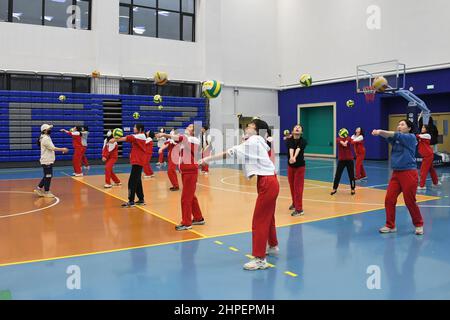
{"x":263,"y":226}
{"x":360,"y":171}
{"x":406,"y":182}
{"x":172,"y":174}
{"x":76,"y":160}
{"x":84,"y":160}
{"x":148,"y":171}
{"x":427,"y":166}
{"x":109,"y":173}
{"x":296,"y":177}
{"x":161,"y":157}
{"x":205,"y":167}
{"x":189,"y":203}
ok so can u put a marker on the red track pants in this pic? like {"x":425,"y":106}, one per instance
{"x":109,"y":173}
{"x":406,"y":182}
{"x":77,"y":159}
{"x":296,"y":178}
{"x":263,"y":226}
{"x":172,"y":174}
{"x":189,"y":203}
{"x":205,"y":167}
{"x":148,"y":171}
{"x":427,"y":166}
{"x":161,"y":157}
{"x":360,"y":171}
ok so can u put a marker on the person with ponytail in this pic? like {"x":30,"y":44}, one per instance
{"x":425,"y":150}
{"x":110,"y":154}
{"x":79,"y":149}
{"x":360,"y":151}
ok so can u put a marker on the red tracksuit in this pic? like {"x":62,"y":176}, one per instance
{"x":172,"y":159}
{"x":296,"y":172}
{"x":189,"y":174}
{"x":148,"y":157}
{"x":111,"y":153}
{"x":78,"y":152}
{"x":427,"y":154}
{"x":360,"y":152}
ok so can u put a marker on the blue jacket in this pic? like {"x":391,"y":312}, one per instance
{"x":403,"y":156}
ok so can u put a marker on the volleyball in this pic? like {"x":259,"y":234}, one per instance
{"x":160,"y":107}
{"x":160,"y":78}
{"x":211,"y":89}
{"x":343,"y":133}
{"x":117,"y":133}
{"x":62,"y":98}
{"x":136,"y":115}
{"x":95,"y":74}
{"x":157,"y":99}
{"x":350,"y":103}
{"x":380,"y":84}
{"x":306,"y":80}
{"x":286,"y":132}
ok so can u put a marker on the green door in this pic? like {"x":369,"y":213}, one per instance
{"x":318,"y":128}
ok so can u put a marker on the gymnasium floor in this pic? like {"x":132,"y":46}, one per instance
{"x":136,"y":254}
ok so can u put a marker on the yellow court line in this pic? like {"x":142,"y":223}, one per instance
{"x":249,"y":256}
{"x":99,"y":252}
{"x":271,"y":265}
{"x":218,"y":242}
{"x":233,"y":249}
{"x":139,"y":207}
{"x":291,"y":274}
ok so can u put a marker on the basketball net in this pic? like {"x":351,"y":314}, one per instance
{"x":369,"y":93}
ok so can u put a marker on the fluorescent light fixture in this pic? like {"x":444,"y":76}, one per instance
{"x":17,"y":15}
{"x":48,"y":18}
{"x":164,"y":13}
{"x":139,"y":30}
{"x":124,"y":17}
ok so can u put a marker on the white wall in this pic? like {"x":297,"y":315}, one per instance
{"x":328,"y":38}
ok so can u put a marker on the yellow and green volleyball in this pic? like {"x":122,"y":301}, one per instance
{"x":380,"y":84}
{"x":62,"y":98}
{"x":306,"y":80}
{"x":160,"y":107}
{"x":157,"y":99}
{"x":117,"y":133}
{"x":136,"y":115}
{"x":160,"y":78}
{"x":343,"y":133}
{"x":350,"y":103}
{"x":286,"y":132}
{"x":211,"y":89}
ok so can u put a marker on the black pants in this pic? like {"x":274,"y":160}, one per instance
{"x":135,"y":183}
{"x":350,"y":170}
{"x":47,"y":179}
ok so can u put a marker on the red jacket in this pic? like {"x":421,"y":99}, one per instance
{"x":110,"y":150}
{"x":189,"y":154}
{"x":425,"y":149}
{"x":359,"y":147}
{"x":137,"y":154}
{"x":344,"y":153}
{"x":76,"y":139}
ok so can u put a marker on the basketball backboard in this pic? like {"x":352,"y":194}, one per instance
{"x":393,"y":71}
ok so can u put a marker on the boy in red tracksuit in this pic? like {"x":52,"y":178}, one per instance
{"x":79,"y":150}
{"x":137,"y":161}
{"x":427,"y":154}
{"x":404,"y":177}
{"x":189,"y":150}
{"x":110,"y":155}
{"x":345,"y":160}
{"x":173,"y":160}
{"x":360,"y":151}
{"x":148,"y":172}
{"x":253,"y":153}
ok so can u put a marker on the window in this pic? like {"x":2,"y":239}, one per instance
{"x":148,"y":88}
{"x":56,"y":13}
{"x":27,"y":82}
{"x":168,"y":19}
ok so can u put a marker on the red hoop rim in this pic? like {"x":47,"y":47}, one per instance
{"x":369,"y":93}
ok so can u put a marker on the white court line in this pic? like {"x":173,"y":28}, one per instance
{"x":31,"y":211}
{"x":316,"y":186}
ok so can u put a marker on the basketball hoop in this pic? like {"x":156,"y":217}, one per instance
{"x":369,"y":93}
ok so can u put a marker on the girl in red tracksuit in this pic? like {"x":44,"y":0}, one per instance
{"x":110,"y":155}
{"x":148,"y":171}
{"x":360,"y":151}
{"x":189,"y":150}
{"x":79,"y":150}
{"x":296,"y":169}
{"x":345,"y":160}
{"x":427,"y":154}
{"x":253,"y":152}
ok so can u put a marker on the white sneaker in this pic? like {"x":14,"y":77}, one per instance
{"x":437,"y":185}
{"x":421,"y":188}
{"x":39,"y":192}
{"x":256,"y":264}
{"x":87,"y":167}
{"x":387,"y":230}
{"x":419,"y":231}
{"x":117,"y":184}
{"x":77,"y":174}
{"x":147,"y":177}
{"x":48,"y":194}
{"x":272,"y":251}
{"x":107,"y":186}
